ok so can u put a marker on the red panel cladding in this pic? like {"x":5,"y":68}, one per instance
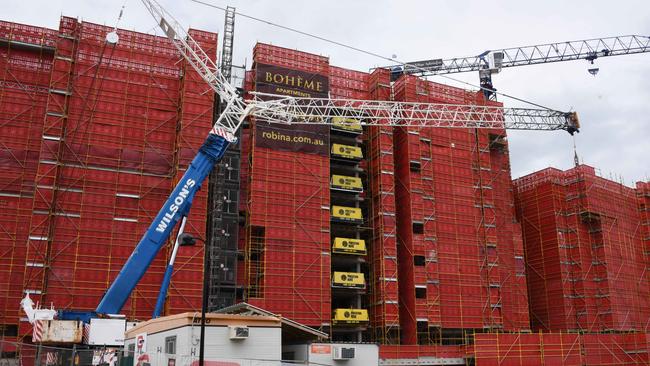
{"x":538,"y":199}
{"x":291,"y":222}
{"x":420,"y":351}
{"x":405,"y":249}
{"x":28,"y":34}
{"x":249,"y":82}
{"x":615,"y":349}
{"x":509,"y":250}
{"x":24,"y":76}
{"x":348,"y":84}
{"x":292,"y":59}
{"x":462,"y":208}
{"x":551,"y":349}
{"x":379,"y":84}
{"x":643,"y":200}
{"x":13,"y":235}
{"x":384,"y":310}
{"x":120,"y":144}
{"x":385,"y":315}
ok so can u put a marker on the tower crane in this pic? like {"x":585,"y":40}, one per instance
{"x":492,"y":61}
{"x":287,"y":110}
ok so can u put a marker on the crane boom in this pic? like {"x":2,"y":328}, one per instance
{"x":588,"y":49}
{"x":292,"y":110}
{"x":235,"y":111}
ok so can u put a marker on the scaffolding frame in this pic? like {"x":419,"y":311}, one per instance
{"x":597,"y":236}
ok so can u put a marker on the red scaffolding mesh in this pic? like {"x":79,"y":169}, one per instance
{"x":643,"y":197}
{"x":287,"y":263}
{"x":461,"y":263}
{"x":584,"y":250}
{"x":349,"y":84}
{"x":25,"y":64}
{"x":109,"y":131}
{"x":384,"y":307}
{"x":560,"y":349}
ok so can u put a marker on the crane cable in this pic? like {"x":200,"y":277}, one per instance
{"x":576,"y":160}
{"x":370,"y":53}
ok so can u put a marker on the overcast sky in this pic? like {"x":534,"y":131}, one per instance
{"x":614,"y":106}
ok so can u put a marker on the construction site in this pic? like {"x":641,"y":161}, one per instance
{"x":330,"y":209}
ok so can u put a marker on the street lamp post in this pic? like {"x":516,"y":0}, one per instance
{"x":204,"y":305}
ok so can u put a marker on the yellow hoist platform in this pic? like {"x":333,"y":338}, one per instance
{"x":350,"y":316}
{"x":347,"y":151}
{"x":349,"y":246}
{"x":348,"y":280}
{"x":347,"y":183}
{"x":347,"y":214}
{"x":346,"y":124}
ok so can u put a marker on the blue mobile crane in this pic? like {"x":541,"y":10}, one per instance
{"x":176,"y":207}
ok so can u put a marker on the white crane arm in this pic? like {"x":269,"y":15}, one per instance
{"x":289,"y":110}
{"x":292,"y":110}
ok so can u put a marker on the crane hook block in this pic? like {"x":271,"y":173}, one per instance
{"x":573,"y":123}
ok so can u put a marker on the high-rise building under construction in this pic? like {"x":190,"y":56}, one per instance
{"x":408,"y":237}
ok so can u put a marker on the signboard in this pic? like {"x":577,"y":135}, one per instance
{"x":279,"y":80}
{"x":322,"y":349}
{"x":420,"y":66}
{"x":347,"y":214}
{"x":346,"y":183}
{"x":140,"y":357}
{"x":106,"y":332}
{"x":349,"y":246}
{"x":310,"y":139}
{"x":348,"y":279}
{"x":350,"y":316}
{"x":347,"y":151}
{"x":346,"y":124}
